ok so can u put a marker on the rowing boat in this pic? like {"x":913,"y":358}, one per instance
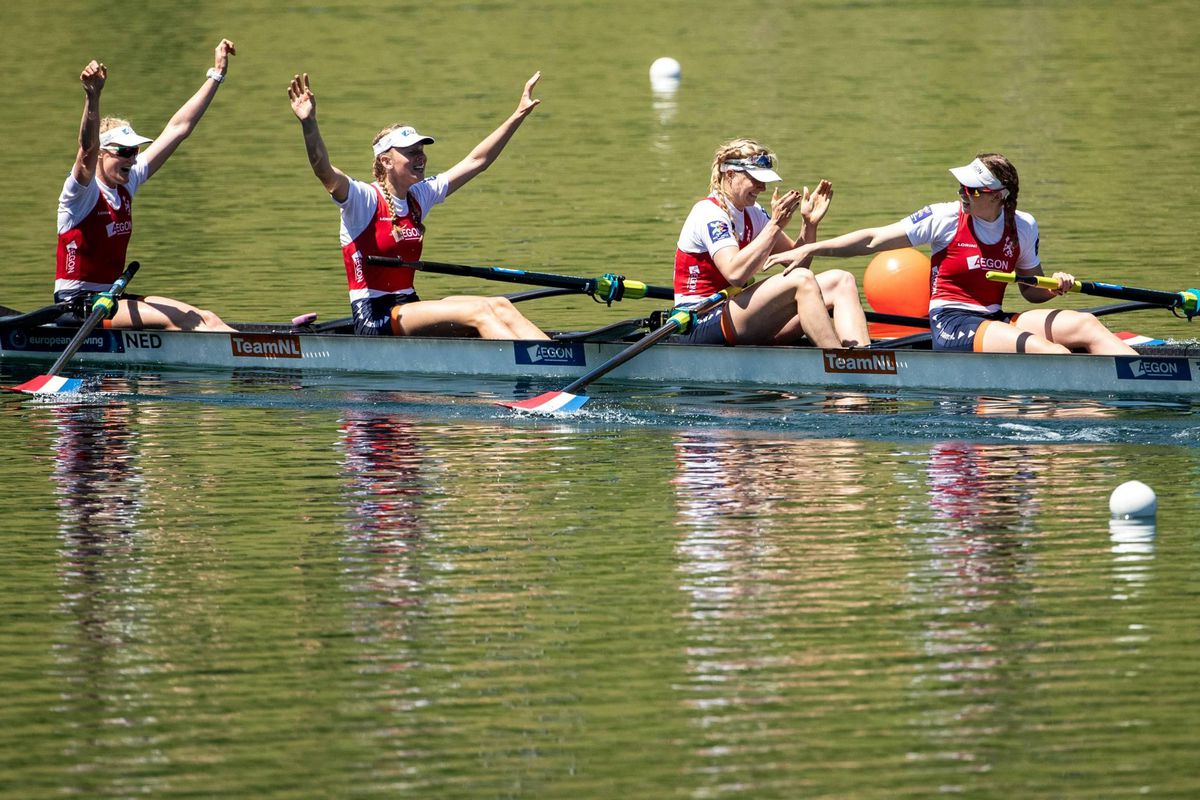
{"x":1158,"y":371}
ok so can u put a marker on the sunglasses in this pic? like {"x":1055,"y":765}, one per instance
{"x":972,"y":191}
{"x":123,"y":152}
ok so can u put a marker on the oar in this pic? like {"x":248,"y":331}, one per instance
{"x":1186,"y":301}
{"x":607,"y":288}
{"x":566,"y":401}
{"x":103,"y":308}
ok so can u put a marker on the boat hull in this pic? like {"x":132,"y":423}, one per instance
{"x":1148,"y":375}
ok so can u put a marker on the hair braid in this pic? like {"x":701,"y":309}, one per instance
{"x":1006,"y":173}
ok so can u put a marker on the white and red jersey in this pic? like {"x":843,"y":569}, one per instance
{"x":369,"y":229}
{"x":965,"y":248}
{"x":706,"y":230}
{"x":95,"y":222}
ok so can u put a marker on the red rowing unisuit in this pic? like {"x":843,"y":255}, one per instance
{"x":696,"y":274}
{"x":401,"y":237}
{"x":960,"y":269}
{"x":94,"y":250}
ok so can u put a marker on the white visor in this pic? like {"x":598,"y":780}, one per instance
{"x":758,"y":168}
{"x":124,"y":136}
{"x":400,"y":138}
{"x":976,"y":176}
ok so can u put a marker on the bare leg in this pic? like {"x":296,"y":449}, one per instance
{"x":840,"y":291}
{"x":163,"y":313}
{"x":1000,"y":337}
{"x":782,"y":308}
{"x":1074,"y":330}
{"x":487,"y":317}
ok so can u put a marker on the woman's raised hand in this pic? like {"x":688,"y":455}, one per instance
{"x":304,"y":103}
{"x":528,"y":101}
{"x":782,"y":208}
{"x":93,"y":77}
{"x":816,"y":203}
{"x":221,"y":55}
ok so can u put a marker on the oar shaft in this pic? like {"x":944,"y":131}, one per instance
{"x":101,"y":310}
{"x":676,"y":322}
{"x":601,"y":285}
{"x":1168,"y":299}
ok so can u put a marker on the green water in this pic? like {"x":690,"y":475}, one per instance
{"x":273,"y":586}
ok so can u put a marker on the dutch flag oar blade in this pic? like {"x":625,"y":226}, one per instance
{"x":567,"y":402}
{"x":103,"y":308}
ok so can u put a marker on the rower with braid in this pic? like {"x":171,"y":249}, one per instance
{"x":387,"y":218}
{"x":982,"y":231}
{"x":728,"y":237}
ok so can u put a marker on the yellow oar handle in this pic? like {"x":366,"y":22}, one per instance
{"x":1029,"y":280}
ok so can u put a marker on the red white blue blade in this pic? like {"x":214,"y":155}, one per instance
{"x":48,"y":384}
{"x":550,"y":403}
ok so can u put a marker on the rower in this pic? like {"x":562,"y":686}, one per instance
{"x":981,"y":231}
{"x":95,"y":208}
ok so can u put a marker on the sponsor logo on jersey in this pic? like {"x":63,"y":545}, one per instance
{"x":265,"y":345}
{"x":1153,"y":369}
{"x":979,"y":262}
{"x":119,"y":228}
{"x":719,"y":230}
{"x":405,"y":234}
{"x":550,"y":353}
{"x":839,"y":361}
{"x":920,"y":215}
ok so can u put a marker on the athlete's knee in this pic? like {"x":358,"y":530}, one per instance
{"x":839,"y":281}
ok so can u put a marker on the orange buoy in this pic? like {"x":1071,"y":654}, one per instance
{"x":897,"y":282}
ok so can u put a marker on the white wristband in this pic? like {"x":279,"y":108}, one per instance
{"x":216,"y":76}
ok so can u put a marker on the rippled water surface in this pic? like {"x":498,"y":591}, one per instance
{"x":270,"y":585}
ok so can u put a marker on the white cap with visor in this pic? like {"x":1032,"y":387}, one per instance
{"x":400,"y":138}
{"x":976,"y":175}
{"x":759,"y":167}
{"x":124,"y":136}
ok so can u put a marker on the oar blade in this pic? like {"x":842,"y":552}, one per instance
{"x":550,"y":403}
{"x":48,"y":384}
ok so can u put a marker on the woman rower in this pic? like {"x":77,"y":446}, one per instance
{"x":982,"y":231}
{"x":727,"y":238}
{"x":95,"y":209}
{"x":387,"y":218}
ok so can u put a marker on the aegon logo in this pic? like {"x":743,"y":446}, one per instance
{"x":979,"y":262}
{"x":265,"y":345}
{"x":872,"y":364}
{"x":556,"y":353}
{"x":118,"y":228}
{"x":1153,"y":369}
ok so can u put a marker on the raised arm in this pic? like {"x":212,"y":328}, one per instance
{"x":92,"y":78}
{"x":304,"y":105}
{"x":856,"y":243}
{"x":489,"y":149}
{"x":185,"y":119}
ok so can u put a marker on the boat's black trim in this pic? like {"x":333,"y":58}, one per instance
{"x":11,"y":318}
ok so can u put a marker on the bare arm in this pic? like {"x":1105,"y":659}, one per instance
{"x":856,"y":243}
{"x":185,"y":119}
{"x":304,"y":105}
{"x":739,"y":266}
{"x":489,"y":149}
{"x":1036,"y":294}
{"x":92,"y":78}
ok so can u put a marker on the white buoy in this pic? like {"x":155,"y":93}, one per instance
{"x":665,"y":73}
{"x":1133,"y":500}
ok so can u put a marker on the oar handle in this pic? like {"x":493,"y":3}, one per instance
{"x":1040,"y":281}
